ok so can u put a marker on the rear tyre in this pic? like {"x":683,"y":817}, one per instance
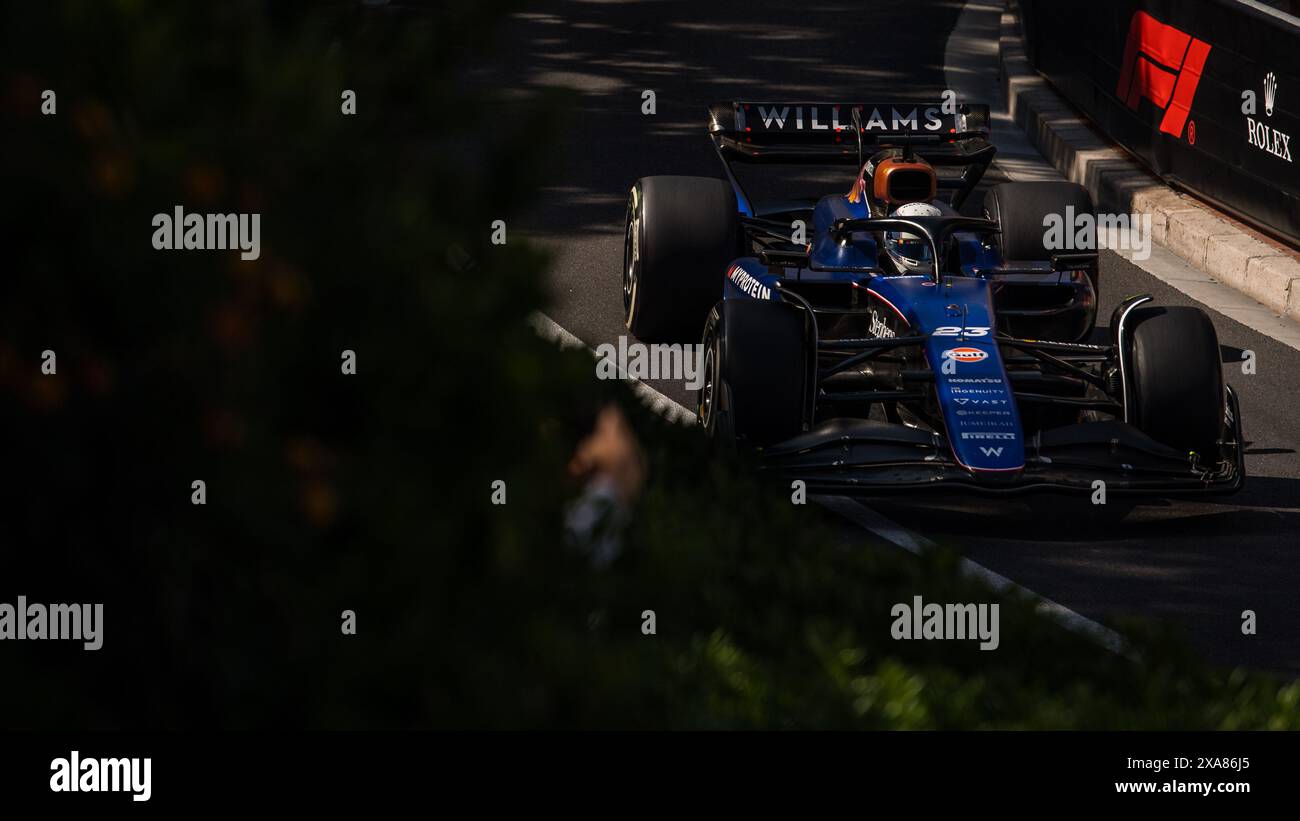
{"x":756,"y":363}
{"x":1176,"y":379}
{"x":681,"y":234}
{"x":1019,"y":209}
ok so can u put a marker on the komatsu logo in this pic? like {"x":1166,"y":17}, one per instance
{"x":749,"y":284}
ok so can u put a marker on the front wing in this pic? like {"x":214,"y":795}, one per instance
{"x":847,"y":456}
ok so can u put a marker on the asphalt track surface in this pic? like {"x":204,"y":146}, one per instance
{"x":1197,"y":564}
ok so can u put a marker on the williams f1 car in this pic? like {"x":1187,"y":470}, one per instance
{"x":877,"y":339}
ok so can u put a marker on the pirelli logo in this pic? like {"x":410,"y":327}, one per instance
{"x":1164,"y":65}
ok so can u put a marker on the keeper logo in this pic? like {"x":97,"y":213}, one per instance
{"x":1164,"y":65}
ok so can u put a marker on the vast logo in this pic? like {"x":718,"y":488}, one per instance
{"x":1164,"y":65}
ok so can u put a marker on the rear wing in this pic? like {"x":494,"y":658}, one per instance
{"x":828,"y":132}
{"x":834,"y":133}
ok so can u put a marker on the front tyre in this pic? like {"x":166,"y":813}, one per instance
{"x":1176,"y":380}
{"x":756,"y":367}
{"x":711,"y":404}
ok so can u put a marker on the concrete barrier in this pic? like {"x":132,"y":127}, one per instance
{"x":1266,"y":271}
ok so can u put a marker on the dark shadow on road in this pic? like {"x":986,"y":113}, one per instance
{"x":691,"y":54}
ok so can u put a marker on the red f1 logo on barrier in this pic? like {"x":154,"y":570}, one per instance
{"x":1164,"y":65}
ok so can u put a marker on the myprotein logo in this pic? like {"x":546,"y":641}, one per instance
{"x":746,"y":282}
{"x":1164,"y":65}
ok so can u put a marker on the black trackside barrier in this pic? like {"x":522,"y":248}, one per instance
{"x":1168,"y":80}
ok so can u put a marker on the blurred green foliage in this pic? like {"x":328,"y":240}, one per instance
{"x":328,"y":492}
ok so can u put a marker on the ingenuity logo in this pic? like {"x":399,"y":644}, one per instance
{"x":74,"y":774}
{"x":953,"y":622}
{"x":208,"y":232}
{"x":56,"y":622}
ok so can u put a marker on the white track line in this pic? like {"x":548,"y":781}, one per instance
{"x":858,"y":513}
{"x":653,"y":399}
{"x":891,"y":531}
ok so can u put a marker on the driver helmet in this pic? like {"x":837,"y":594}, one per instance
{"x":908,"y":251}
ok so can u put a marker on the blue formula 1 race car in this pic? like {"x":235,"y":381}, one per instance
{"x":877,"y":339}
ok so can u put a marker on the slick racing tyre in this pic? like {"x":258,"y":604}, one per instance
{"x":1019,"y":208}
{"x":681,"y":234}
{"x":756,"y":364}
{"x":1176,"y":379}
